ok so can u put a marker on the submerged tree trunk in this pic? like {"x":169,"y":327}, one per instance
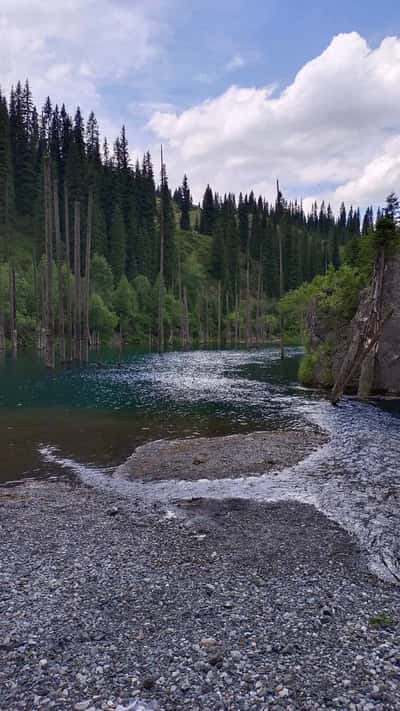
{"x":161,"y":274}
{"x":219,"y":316}
{"x":49,"y":318}
{"x":186,"y":317}
{"x":13,"y":310}
{"x":77,"y":274}
{"x":2,"y":328}
{"x":281,"y":291}
{"x":237,"y":316}
{"x":258,"y":307}
{"x":248,"y":329}
{"x":207,"y":318}
{"x":181,"y":303}
{"x":61,"y":319}
{"x":69,"y":330}
{"x":86,"y":328}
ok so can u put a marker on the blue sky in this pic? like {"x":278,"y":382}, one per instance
{"x":273,"y":38}
{"x":237,"y":91}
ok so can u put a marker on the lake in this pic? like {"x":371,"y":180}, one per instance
{"x":99,"y":413}
{"x":84,"y":421}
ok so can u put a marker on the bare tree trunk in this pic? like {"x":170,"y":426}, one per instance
{"x":219,"y":315}
{"x":248,"y":332}
{"x":2,"y":328}
{"x":281,"y":290}
{"x":161,"y":274}
{"x":61,"y":319}
{"x":87,"y":278}
{"x":207,"y":319}
{"x":186,"y":317}
{"x":228,"y":325}
{"x":181,"y":302}
{"x":68,"y":265}
{"x":237,"y":315}
{"x":200,"y":307}
{"x":13,"y":310}
{"x":258,"y":308}
{"x":77,"y":273}
{"x":49,"y":318}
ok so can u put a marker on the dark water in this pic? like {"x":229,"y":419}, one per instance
{"x":99,"y":414}
{"x":88,"y":420}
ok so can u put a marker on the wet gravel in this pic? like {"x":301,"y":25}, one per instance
{"x":226,"y":457}
{"x":230,"y":605}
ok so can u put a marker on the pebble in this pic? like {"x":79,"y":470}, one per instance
{"x":137,"y":614}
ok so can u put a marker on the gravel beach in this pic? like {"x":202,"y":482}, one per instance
{"x":106,"y":604}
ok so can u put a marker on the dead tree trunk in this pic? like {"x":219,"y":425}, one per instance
{"x":49,"y":318}
{"x":219,"y":316}
{"x":86,"y":328}
{"x":207,"y":317}
{"x":200,"y":311}
{"x":228,"y":323}
{"x":368,"y":325}
{"x":281,"y":291}
{"x":69,"y":329}
{"x":181,"y":302}
{"x":2,"y":320}
{"x":258,"y":308}
{"x":61,"y":319}
{"x":186,"y":317}
{"x":161,"y":273}
{"x":77,"y":274}
{"x":13,"y":310}
{"x":237,"y":316}
{"x":248,"y":328}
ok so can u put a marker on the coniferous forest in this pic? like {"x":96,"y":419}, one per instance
{"x":96,"y":247}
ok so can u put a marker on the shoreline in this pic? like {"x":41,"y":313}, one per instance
{"x":231,"y":604}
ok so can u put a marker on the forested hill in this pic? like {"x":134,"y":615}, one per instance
{"x":93,"y":244}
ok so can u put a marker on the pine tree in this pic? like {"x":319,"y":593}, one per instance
{"x":6,"y":181}
{"x":186,"y":202}
{"x":208,"y":213}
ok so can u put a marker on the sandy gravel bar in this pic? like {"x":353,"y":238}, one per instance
{"x":220,"y":457}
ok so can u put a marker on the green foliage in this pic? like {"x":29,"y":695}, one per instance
{"x":125,"y":305}
{"x":101,"y":319}
{"x":102,"y":280}
{"x":325,"y":259}
{"x":381,"y":620}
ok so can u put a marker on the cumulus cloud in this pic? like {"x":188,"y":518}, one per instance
{"x":71,"y":50}
{"x":336,"y":125}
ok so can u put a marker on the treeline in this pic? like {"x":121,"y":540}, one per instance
{"x":95,"y":247}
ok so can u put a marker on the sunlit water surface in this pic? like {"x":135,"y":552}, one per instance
{"x":88,"y":420}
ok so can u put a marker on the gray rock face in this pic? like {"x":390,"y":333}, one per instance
{"x":381,"y":370}
{"x":387,"y":365}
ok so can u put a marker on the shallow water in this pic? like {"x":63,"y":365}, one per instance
{"x":355,"y":478}
{"x":99,"y":414}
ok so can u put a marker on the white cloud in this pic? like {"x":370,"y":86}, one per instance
{"x":71,"y":49}
{"x":237,"y":62}
{"x":337,"y":124}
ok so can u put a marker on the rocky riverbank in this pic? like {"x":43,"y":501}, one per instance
{"x":231,"y":605}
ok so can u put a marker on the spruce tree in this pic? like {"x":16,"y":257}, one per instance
{"x":185,"y":205}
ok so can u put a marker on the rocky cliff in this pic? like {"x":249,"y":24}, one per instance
{"x":331,"y":341}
